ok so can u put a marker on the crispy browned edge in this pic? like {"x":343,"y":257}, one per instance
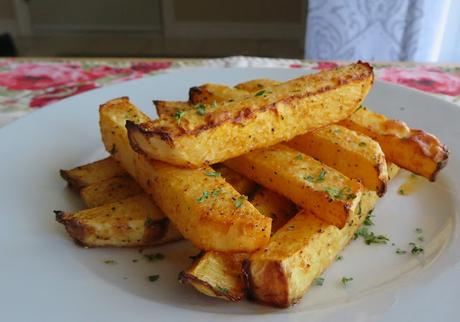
{"x":417,"y":138}
{"x":189,"y":278}
{"x":420,"y":137}
{"x":155,"y":231}
{"x":277,"y":275}
{"x":148,"y":129}
{"x":280,"y":278}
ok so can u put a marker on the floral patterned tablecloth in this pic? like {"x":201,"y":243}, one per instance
{"x":29,"y":84}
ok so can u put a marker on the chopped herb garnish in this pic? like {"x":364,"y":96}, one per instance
{"x":153,"y":278}
{"x":368,"y":221}
{"x":239,"y":201}
{"x":110,"y":262}
{"x":370,"y":237}
{"x":260,"y":93}
{"x":418,"y":230}
{"x":416,"y":249}
{"x":342,"y":194}
{"x":154,"y":257}
{"x":319,"y":281}
{"x":222,"y":289}
{"x":299,"y":157}
{"x":401,"y":191}
{"x":216,"y":192}
{"x":204,"y":196}
{"x":319,"y":178}
{"x":212,"y":174}
{"x":420,"y":238}
{"x":338,"y":257}
{"x":346,"y":280}
{"x":200,"y":109}
{"x":362,"y":143}
{"x":179,"y":115}
{"x":399,"y":251}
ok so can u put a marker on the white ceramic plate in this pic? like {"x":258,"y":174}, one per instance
{"x":45,"y":277}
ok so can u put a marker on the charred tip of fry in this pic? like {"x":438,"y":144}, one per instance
{"x":192,"y":92}
{"x":441,"y":164}
{"x":135,"y":129}
{"x":247,"y":279}
{"x":59,"y":214}
{"x":382,"y":189}
{"x":114,"y":100}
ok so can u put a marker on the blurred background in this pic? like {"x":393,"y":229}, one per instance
{"x":384,"y":30}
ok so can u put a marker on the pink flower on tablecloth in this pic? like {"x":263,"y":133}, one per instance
{"x":323,"y":65}
{"x":36,"y":76}
{"x":59,"y":93}
{"x":148,"y":67}
{"x":432,"y":80}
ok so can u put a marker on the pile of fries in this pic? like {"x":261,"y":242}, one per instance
{"x":270,"y":180}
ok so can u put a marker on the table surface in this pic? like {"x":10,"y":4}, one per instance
{"x":27,"y":84}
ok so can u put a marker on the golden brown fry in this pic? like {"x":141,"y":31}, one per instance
{"x":110,"y":190}
{"x":205,"y":208}
{"x":206,"y":135}
{"x":413,"y":150}
{"x":85,"y":175}
{"x":135,"y":221}
{"x":219,"y":274}
{"x":307,"y":182}
{"x":355,"y":155}
{"x":299,"y":252}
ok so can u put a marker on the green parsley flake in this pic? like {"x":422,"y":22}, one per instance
{"x":401,"y":192}
{"x":318,"y":179}
{"x":204,"y":196}
{"x":179,"y":115}
{"x":216,"y":192}
{"x":368,"y":221}
{"x":299,"y":157}
{"x":342,"y":194}
{"x":110,"y":262}
{"x":200,"y":109}
{"x":153,"y":278}
{"x":399,"y":251}
{"x":338,"y":257}
{"x":370,"y":237}
{"x":212,"y":174}
{"x":346,"y":280}
{"x":319,"y":281}
{"x":418,"y":230}
{"x":416,"y":249}
{"x":260,"y":93}
{"x":362,"y":143}
{"x":154,"y":257}
{"x":239,"y":201}
{"x":222,"y":289}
